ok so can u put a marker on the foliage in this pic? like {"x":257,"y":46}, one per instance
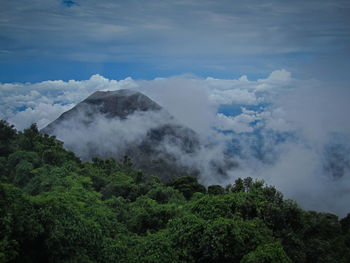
{"x":55,"y":208}
{"x":187,"y":185}
{"x":267,"y":253}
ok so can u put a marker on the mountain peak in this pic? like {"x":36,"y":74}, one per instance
{"x":121,"y":103}
{"x":120,"y":93}
{"x":111,"y":104}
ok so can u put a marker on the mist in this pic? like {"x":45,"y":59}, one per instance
{"x":304,"y":147}
{"x":291,"y":133}
{"x":89,"y":135}
{"x":298,"y":140}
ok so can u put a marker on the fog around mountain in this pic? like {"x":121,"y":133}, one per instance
{"x":292,"y":133}
{"x":126,"y":122}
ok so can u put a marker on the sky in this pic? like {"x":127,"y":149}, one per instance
{"x":267,"y":81}
{"x":54,"y":39}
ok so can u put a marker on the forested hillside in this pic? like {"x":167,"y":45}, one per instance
{"x":56,"y":208}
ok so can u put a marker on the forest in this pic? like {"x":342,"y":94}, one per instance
{"x":56,"y":208}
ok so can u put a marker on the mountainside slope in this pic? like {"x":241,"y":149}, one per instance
{"x":125,"y":122}
{"x":113,"y":104}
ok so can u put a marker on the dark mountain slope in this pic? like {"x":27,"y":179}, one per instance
{"x":120,"y":104}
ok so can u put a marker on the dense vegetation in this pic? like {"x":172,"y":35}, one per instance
{"x":55,"y":208}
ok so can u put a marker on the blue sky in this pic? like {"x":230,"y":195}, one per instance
{"x":53,"y":39}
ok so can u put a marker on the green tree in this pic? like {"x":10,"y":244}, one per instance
{"x":216,"y":190}
{"x":147,"y":215}
{"x":267,"y":253}
{"x":20,"y":231}
{"x":154,"y":248}
{"x":187,"y":185}
{"x":7,"y":135}
{"x":21,"y":163}
{"x":218,"y":240}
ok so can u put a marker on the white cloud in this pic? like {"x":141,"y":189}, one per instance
{"x":100,"y":135}
{"x":281,"y":131}
{"x":42,"y":114}
{"x":243,"y":91}
{"x":238,"y":124}
{"x":234,"y":96}
{"x":186,"y":98}
{"x":276,"y":120}
{"x":26,"y":103}
{"x":278,"y":77}
{"x":317,"y":109}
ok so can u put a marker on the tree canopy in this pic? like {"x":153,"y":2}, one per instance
{"x":56,"y":208}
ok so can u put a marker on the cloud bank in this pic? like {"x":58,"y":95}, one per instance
{"x":25,"y":103}
{"x":292,"y":133}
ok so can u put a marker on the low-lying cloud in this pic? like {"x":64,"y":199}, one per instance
{"x":147,"y":137}
{"x":293,"y":134}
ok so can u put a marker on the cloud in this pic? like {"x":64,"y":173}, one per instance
{"x":298,"y":172}
{"x":192,"y":100}
{"x":133,"y":136}
{"x":184,"y":97}
{"x":317,"y":109}
{"x":243,"y":91}
{"x":254,"y":35}
{"x":238,"y":124}
{"x":42,"y":114}
{"x":43,"y":102}
{"x":276,"y":120}
{"x":292,"y":133}
{"x":105,"y":136}
{"x":301,"y":144}
{"x":69,"y":3}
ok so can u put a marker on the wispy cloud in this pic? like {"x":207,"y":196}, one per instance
{"x":69,"y":3}
{"x":229,"y":35}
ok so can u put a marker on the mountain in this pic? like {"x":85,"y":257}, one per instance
{"x":126,"y":122}
{"x":113,"y":104}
